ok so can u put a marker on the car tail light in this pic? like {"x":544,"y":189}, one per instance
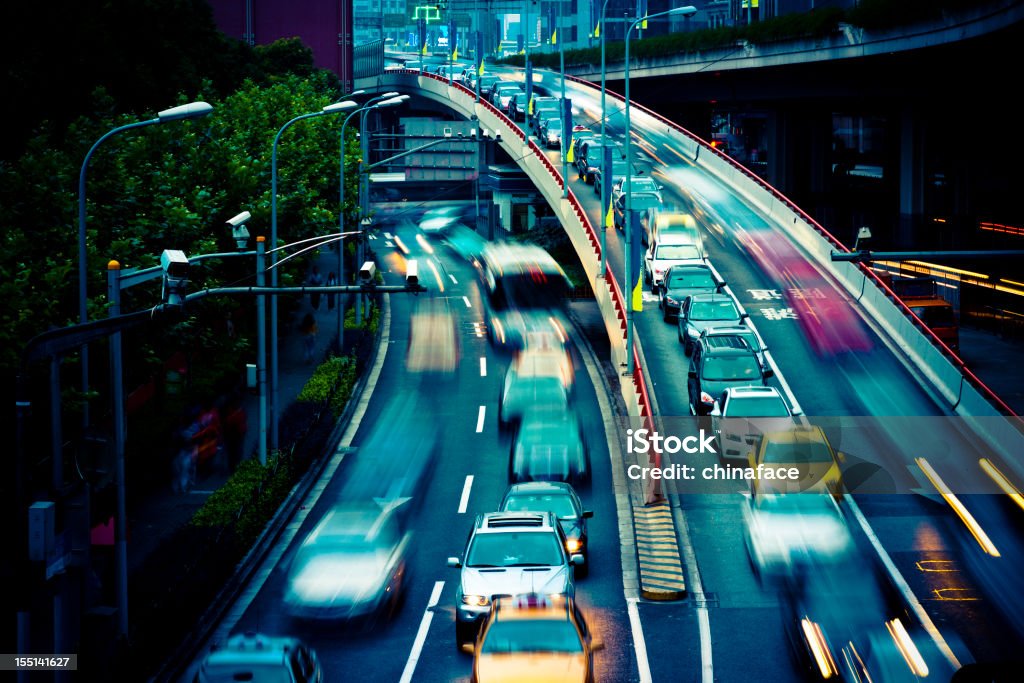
{"x":706,"y":399}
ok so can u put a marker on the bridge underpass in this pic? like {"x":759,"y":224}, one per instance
{"x":729,"y":625}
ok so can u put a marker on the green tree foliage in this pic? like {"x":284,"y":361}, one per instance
{"x":161,"y":187}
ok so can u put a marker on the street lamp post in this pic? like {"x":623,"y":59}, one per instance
{"x":566,"y":133}
{"x":274,"y":407}
{"x":341,"y":221}
{"x":364,"y":180}
{"x":604,"y":118}
{"x":192,"y":110}
{"x":688,"y":10}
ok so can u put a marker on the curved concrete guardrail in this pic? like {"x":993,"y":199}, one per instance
{"x":548,"y":180}
{"x":962,"y":391}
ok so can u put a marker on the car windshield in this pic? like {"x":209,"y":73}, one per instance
{"x":642,"y":185}
{"x":558,"y":503}
{"x":731,"y":368}
{"x":531,"y":635}
{"x":804,"y":452}
{"x":515,"y":549}
{"x":714,"y":310}
{"x":757,"y":406}
{"x":645,"y":200}
{"x":691,"y":279}
{"x":555,"y":124}
{"x":677,"y":252}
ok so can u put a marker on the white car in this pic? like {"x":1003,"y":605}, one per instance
{"x":260,"y":658}
{"x":742,"y":414}
{"x":665,"y":253}
{"x":784,"y":531}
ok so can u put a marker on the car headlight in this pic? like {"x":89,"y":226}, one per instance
{"x":692,"y":333}
{"x":573,"y":545}
{"x":476,"y":600}
{"x":670,"y":300}
{"x":705,"y":398}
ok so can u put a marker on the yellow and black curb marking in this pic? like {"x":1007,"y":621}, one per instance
{"x":661,"y":568}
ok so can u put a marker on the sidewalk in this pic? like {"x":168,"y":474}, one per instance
{"x":163,"y":511}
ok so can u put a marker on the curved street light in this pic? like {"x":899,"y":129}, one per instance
{"x":192,"y":110}
{"x":333,"y":108}
{"x":687,"y":11}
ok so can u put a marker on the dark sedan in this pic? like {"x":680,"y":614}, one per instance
{"x":683,"y":281}
{"x":549,"y":446}
{"x":561,"y":499}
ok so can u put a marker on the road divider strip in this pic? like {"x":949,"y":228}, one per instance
{"x":421,"y":633}
{"x":661,"y":569}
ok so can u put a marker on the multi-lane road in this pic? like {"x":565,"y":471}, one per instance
{"x":731,"y":625}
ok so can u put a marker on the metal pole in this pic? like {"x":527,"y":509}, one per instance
{"x":56,"y":436}
{"x":566,"y":134}
{"x":274,"y":405}
{"x":83,"y":314}
{"x":604,"y":118}
{"x":627,"y":289}
{"x":117,"y":392}
{"x":261,"y":348}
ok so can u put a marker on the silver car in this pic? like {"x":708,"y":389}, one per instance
{"x":261,"y":659}
{"x":508,"y":554}
{"x":353,"y":564}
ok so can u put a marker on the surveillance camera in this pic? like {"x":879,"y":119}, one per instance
{"x":368,"y":272}
{"x":447,"y":132}
{"x":175,"y":266}
{"x":412,"y":272}
{"x":239,"y":219}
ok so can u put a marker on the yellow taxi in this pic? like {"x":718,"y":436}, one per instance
{"x":805,"y":449}
{"x":539,"y":639}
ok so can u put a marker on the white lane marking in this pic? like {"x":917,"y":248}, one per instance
{"x":466,"y":488}
{"x":902,"y":586}
{"x":483,"y":366}
{"x":639,"y":644}
{"x":480,"y":419}
{"x":466,"y":299}
{"x":454,"y":281}
{"x":421,"y":634}
{"x":797,"y":410}
{"x":707,"y":671}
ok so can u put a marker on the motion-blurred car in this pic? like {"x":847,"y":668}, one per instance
{"x":509,"y":553}
{"x":682,"y":281}
{"x":720,"y":363}
{"x":535,"y":638}
{"x":352,"y":564}
{"x":672,"y":222}
{"x":261,"y":659}
{"x":784,"y":531}
{"x":441,"y":219}
{"x":742,"y":414}
{"x":521,"y":394}
{"x":433,"y":339}
{"x":700,"y":312}
{"x":617,"y":172}
{"x":549,"y":445}
{"x":806,"y":449}
{"x":590,"y":156}
{"x":561,"y":499}
{"x":645,"y":205}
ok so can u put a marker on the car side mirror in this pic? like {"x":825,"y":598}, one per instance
{"x":454,"y":562}
{"x":596,"y":646}
{"x":576,"y":559}
{"x":588,"y":514}
{"x":768,"y":372}
{"x":692,"y":374}
{"x":721,"y":286}
{"x":744,"y":316}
